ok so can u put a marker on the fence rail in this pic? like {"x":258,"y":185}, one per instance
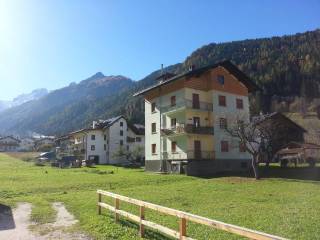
{"x":183,"y":218}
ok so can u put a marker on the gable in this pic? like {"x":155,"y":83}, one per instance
{"x":231,"y":83}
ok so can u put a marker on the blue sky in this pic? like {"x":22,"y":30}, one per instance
{"x":50,"y":43}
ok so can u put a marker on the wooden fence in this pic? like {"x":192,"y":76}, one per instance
{"x":183,"y":218}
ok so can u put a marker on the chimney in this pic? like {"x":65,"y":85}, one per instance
{"x":94,"y":123}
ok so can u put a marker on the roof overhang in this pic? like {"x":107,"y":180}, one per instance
{"x":230,"y":67}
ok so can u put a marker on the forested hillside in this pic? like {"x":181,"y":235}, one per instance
{"x":284,"y":67}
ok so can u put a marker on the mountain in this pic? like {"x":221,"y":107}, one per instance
{"x":287,"y":68}
{"x":64,"y":109}
{"x":23,"y":98}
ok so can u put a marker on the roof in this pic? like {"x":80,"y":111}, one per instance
{"x":274,"y":115}
{"x":13,"y":138}
{"x":107,"y":123}
{"x":138,"y":129}
{"x":292,"y":145}
{"x":230,"y":67}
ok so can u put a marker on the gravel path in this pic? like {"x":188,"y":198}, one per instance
{"x":16,"y":225}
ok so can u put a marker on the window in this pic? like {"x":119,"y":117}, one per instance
{"x":173,"y":100}
{"x":153,"y":107}
{"x":121,"y":124}
{"x":105,"y":137}
{"x":173,"y":146}
{"x":220,"y":79}
{"x":121,"y":142}
{"x":196,"y":121}
{"x":239,"y":103}
{"x":223,"y":123}
{"x":242,"y":147}
{"x":173,"y":122}
{"x":93,"y":147}
{"x":107,"y":141}
{"x":105,"y":147}
{"x":121,"y":132}
{"x":153,"y":127}
{"x":224,"y":146}
{"x":128,"y":147}
{"x":93,"y":137}
{"x":153,"y":148}
{"x":138,"y":139}
{"x":222,"y":101}
{"x":195,"y":101}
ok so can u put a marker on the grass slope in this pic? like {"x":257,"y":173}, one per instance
{"x":288,"y":208}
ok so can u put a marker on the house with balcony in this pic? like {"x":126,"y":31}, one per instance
{"x":186,"y":116}
{"x":103,"y":141}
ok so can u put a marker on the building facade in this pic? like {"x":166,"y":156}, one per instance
{"x":27,"y":144}
{"x":186,"y":117}
{"x":9,"y":144}
{"x":108,"y":141}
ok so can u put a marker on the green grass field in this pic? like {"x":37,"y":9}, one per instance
{"x":285,"y":207}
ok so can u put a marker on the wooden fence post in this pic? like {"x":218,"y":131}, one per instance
{"x":141,"y":218}
{"x":99,"y":201}
{"x":116,"y":205}
{"x":183,"y":228}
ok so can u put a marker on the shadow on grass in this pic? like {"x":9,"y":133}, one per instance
{"x":292,"y":173}
{"x":6,"y":218}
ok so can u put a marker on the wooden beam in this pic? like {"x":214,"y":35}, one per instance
{"x":245,"y":232}
{"x":142,"y":217}
{"x":182,"y":228}
{"x":99,"y":200}
{"x":116,"y":206}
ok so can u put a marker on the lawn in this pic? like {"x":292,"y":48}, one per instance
{"x":285,"y":207}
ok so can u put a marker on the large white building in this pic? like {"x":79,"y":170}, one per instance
{"x":186,"y":117}
{"x":108,"y":141}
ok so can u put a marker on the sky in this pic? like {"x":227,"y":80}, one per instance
{"x":51,"y":43}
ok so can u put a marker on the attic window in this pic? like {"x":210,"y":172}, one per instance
{"x":220,"y":79}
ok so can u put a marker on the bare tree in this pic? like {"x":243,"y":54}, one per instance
{"x":256,"y":139}
{"x":249,"y":136}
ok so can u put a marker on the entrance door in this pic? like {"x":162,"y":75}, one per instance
{"x":195,"y":101}
{"x":197,"y":149}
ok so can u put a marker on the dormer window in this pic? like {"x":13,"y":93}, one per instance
{"x":221,"y":79}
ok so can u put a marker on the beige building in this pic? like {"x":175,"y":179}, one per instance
{"x":186,"y":116}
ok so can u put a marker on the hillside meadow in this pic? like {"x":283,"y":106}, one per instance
{"x":284,"y":207}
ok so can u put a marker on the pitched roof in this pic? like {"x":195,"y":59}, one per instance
{"x":13,"y":138}
{"x":107,"y":123}
{"x":230,"y":67}
{"x":274,"y":115}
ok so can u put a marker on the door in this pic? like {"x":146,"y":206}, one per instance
{"x":196,"y":121}
{"x":197,"y":149}
{"x":195,"y":101}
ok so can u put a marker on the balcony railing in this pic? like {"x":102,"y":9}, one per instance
{"x":186,"y":103}
{"x":189,"y":128}
{"x":189,"y":155}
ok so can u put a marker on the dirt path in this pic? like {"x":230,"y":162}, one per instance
{"x":16,"y":225}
